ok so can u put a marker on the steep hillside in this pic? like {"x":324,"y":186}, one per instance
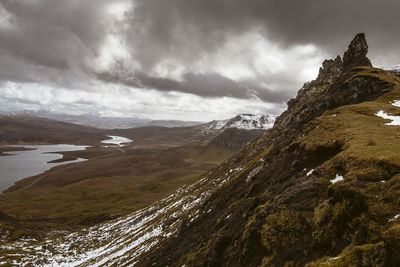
{"x":321,"y":188}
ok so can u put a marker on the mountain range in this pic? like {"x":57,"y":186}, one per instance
{"x":105,"y":122}
{"x":241,"y":121}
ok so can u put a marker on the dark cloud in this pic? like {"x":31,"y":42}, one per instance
{"x":193,"y":27}
{"x":205,"y":85}
{"x":60,"y":41}
{"x":54,"y":33}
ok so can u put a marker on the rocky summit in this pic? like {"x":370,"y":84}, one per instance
{"x":356,"y":55}
{"x":320,"y":188}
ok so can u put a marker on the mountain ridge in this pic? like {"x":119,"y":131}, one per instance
{"x":281,"y":208}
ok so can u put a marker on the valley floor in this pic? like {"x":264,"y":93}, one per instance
{"x":122,"y":241}
{"x":114,"y":182}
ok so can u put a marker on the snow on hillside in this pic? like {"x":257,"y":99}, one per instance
{"x":121,"y":242}
{"x":395,"y":69}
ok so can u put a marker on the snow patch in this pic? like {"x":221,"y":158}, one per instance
{"x":310,"y":172}
{"x":392,"y":68}
{"x":396,"y":103}
{"x":334,"y":258}
{"x":395,"y":217}
{"x":337,"y":179}
{"x":117,"y":140}
{"x":395,"y":120}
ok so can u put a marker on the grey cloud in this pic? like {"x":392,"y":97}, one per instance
{"x":193,"y":27}
{"x":57,"y":40}
{"x":54,"y":33}
{"x":205,"y":85}
{"x":188,"y":30}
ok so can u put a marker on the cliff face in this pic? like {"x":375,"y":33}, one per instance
{"x":320,"y":187}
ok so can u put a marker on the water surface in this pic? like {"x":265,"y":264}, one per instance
{"x":21,"y":164}
{"x":117,"y":140}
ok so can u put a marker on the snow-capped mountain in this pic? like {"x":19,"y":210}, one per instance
{"x":250,"y":122}
{"x":242,"y":121}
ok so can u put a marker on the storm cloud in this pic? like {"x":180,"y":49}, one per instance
{"x":246,"y":50}
{"x":201,"y":26}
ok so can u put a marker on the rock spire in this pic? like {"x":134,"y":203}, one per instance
{"x":356,"y":54}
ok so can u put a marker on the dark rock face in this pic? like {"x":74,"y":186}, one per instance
{"x":330,"y":70}
{"x":312,"y":96}
{"x":356,"y":54}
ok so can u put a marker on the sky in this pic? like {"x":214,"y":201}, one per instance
{"x":193,"y":60}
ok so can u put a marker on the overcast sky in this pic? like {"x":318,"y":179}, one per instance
{"x":178,"y":59}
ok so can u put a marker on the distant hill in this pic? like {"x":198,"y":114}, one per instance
{"x":111,"y":122}
{"x":26,"y":128}
{"x":19,"y":128}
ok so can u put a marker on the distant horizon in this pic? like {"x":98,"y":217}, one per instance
{"x":144,"y":120}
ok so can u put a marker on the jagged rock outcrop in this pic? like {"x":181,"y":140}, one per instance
{"x":330,"y":70}
{"x":311,"y":98}
{"x":356,"y":55}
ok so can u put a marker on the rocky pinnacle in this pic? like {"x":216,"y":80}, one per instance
{"x":356,"y":54}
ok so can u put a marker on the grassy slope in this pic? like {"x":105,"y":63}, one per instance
{"x":28,"y":129}
{"x":362,"y":207}
{"x":353,"y":220}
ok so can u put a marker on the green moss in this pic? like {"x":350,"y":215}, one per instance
{"x":284,"y":232}
{"x":392,"y":239}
